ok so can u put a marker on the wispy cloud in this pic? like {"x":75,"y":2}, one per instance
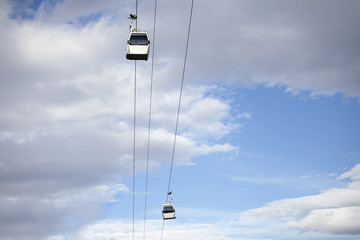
{"x":319,"y":213}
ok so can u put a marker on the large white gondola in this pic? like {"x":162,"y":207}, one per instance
{"x":168,"y":210}
{"x":138,"y":43}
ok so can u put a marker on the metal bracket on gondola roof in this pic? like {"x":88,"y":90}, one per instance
{"x":171,"y":200}
{"x":133,"y":18}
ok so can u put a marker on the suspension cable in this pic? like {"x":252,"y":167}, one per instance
{"x":136,"y":12}
{"x":180,"y":98}
{"x":134,"y":146}
{"x":149,"y":124}
{"x":134,"y":151}
{"x":179,"y":106}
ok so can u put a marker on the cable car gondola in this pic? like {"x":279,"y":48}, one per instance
{"x":138,"y":43}
{"x":138,"y":46}
{"x":168,"y":210}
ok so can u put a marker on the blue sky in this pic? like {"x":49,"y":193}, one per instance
{"x":269,"y":139}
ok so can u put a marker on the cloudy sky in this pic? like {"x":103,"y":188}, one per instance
{"x":268,"y":145}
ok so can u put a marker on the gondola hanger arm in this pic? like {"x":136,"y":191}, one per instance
{"x":132,"y":18}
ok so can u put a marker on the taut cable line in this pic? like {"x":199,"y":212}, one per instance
{"x":134,"y":143}
{"x":179,"y":107}
{"x":180,"y":98}
{"x":149,"y":123}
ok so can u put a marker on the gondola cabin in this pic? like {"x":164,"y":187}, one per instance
{"x":138,"y":46}
{"x":168,"y":211}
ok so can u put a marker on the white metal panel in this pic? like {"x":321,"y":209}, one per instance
{"x":138,"y":49}
{"x":169,"y":215}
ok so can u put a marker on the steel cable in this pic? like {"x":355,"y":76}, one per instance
{"x":179,"y":107}
{"x":134,"y":143}
{"x":149,"y":123}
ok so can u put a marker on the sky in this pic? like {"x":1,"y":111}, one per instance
{"x":268,"y":141}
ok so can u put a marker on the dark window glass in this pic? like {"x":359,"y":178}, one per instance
{"x":138,"y":39}
{"x":168,"y":209}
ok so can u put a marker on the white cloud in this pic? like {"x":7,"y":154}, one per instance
{"x":343,"y":220}
{"x":334,"y":211}
{"x":205,"y":118}
{"x":246,"y":115}
{"x":116,"y":229}
{"x":353,"y":174}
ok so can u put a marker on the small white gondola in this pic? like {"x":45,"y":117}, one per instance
{"x":138,"y":46}
{"x":168,"y":210}
{"x":138,"y":43}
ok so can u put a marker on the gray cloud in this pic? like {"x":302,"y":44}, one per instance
{"x":306,"y":45}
